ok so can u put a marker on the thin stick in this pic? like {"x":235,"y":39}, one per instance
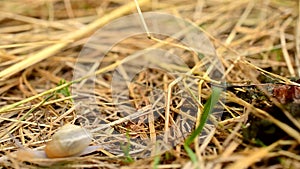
{"x":142,"y":18}
{"x":284,"y":48}
{"x":297,"y":57}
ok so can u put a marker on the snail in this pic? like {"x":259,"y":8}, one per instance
{"x":70,"y":140}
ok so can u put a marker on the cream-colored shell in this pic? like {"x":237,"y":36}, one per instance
{"x":70,"y":140}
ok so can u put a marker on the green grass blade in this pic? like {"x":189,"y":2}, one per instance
{"x":208,"y":107}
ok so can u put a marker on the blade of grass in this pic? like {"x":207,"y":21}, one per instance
{"x":156,"y":161}
{"x":66,"y":90}
{"x":126,"y":149}
{"x":208,"y":107}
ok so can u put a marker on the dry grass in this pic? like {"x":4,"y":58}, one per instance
{"x":257,"y":42}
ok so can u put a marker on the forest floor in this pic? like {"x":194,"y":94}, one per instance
{"x":200,"y":84}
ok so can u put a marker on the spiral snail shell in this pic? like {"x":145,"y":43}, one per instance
{"x":70,"y":140}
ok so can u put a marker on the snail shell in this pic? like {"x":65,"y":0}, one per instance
{"x":70,"y":140}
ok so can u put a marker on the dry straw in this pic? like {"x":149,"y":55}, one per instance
{"x":258,"y":43}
